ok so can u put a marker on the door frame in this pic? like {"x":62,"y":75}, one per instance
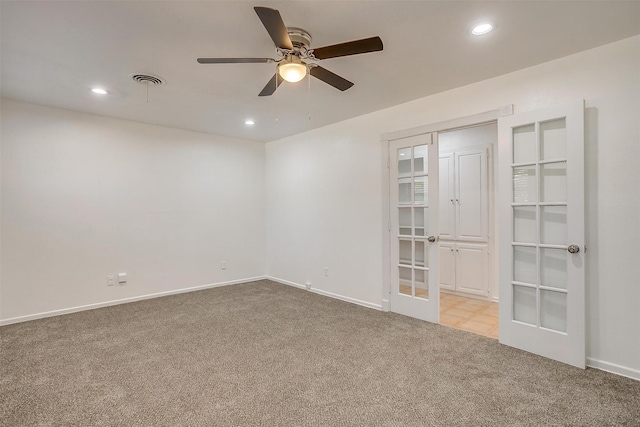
{"x":447,"y":125}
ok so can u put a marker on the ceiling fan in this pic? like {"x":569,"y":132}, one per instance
{"x":297,"y":57}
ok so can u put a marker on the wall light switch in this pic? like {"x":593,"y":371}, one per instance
{"x":111,"y":280}
{"x":122,"y":278}
{"x":223,"y":265}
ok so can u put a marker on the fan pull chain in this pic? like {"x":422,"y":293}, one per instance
{"x":309,"y":99}
{"x":276,"y":91}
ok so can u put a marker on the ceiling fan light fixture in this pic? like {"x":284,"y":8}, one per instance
{"x":293,"y":46}
{"x":292,"y":69}
{"x":99,"y":91}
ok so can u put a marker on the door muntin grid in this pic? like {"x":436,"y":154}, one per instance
{"x":413,"y":221}
{"x":539,"y":220}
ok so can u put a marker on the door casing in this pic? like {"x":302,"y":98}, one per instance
{"x":468,"y":121}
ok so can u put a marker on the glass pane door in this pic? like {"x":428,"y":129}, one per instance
{"x":539,"y":203}
{"x":412,"y":209}
{"x":541,"y":250}
{"x":412,"y":233}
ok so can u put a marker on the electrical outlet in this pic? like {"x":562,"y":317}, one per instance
{"x":326,"y":271}
{"x":308,"y":284}
{"x":122,"y":279}
{"x":223,"y":265}
{"x":111,"y":280}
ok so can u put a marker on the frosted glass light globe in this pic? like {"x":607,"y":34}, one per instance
{"x":292,"y":70}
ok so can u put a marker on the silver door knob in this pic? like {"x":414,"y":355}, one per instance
{"x":431,"y":239}
{"x":573,"y":249}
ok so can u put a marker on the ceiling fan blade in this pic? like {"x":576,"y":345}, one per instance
{"x":272,"y":21}
{"x":330,"y":78}
{"x":234,"y":60}
{"x":271,"y":87}
{"x":372,"y":44}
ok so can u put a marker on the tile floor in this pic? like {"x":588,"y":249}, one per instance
{"x":420,"y":292}
{"x":468,"y":314}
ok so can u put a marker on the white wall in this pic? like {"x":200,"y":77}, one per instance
{"x":85,"y":196}
{"x":324,"y":189}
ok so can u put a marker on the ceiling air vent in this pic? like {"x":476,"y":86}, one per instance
{"x":147,"y":79}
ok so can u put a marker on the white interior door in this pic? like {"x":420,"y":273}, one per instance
{"x":414,"y":227}
{"x":541,"y":246}
{"x":472,"y":265}
{"x":447,"y":265}
{"x":471,"y":194}
{"x":447,"y":197}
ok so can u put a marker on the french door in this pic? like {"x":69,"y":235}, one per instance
{"x":414,"y":221}
{"x":541,"y":246}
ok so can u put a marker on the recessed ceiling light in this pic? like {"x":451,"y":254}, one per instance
{"x":249,"y":122}
{"x":99,"y":91}
{"x":481,"y":29}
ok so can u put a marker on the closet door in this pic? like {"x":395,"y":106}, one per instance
{"x":471,"y":195}
{"x":447,"y":197}
{"x":472,"y":263}
{"x":447,"y":266}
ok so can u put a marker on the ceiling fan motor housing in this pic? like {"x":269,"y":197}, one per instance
{"x":299,"y":37}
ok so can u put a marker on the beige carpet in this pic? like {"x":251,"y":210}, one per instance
{"x":267,"y":354}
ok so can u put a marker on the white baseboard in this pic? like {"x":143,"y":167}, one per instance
{"x":327,"y":294}
{"x":470,"y":296}
{"x":286,"y":282}
{"x":122,"y":301}
{"x":613,"y":368}
{"x":386,"y":305}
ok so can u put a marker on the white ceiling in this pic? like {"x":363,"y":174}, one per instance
{"x":53,"y":52}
